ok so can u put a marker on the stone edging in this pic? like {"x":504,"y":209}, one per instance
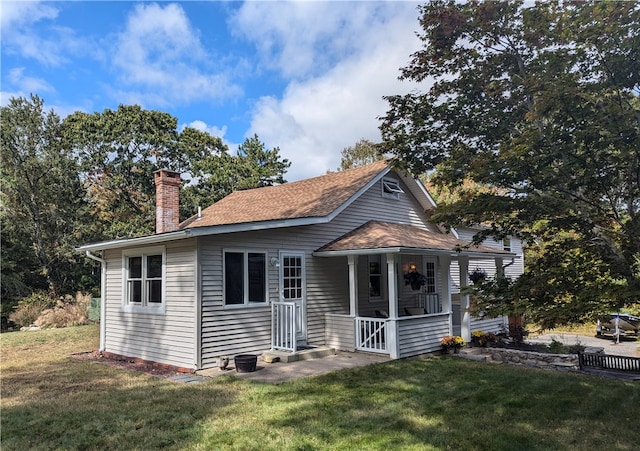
{"x":528,"y":358}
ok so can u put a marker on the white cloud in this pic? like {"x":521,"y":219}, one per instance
{"x":25,"y":83}
{"x":202,"y":126}
{"x":213,"y":130}
{"x":21,"y":35}
{"x":302,"y":39}
{"x":17,"y":15}
{"x":161,"y":59}
{"x":322,"y":112}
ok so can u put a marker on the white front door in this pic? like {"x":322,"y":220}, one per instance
{"x":292,"y":288}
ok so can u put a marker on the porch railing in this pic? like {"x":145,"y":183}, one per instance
{"x":283,"y":326}
{"x":430,"y":302}
{"x":371,"y":335}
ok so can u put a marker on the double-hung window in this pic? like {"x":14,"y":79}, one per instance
{"x":144,"y":275}
{"x":245,"y":278}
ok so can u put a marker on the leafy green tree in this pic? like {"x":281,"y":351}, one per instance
{"x":43,"y":206}
{"x":539,"y":102}
{"x":120,"y":150}
{"x":360,"y":154}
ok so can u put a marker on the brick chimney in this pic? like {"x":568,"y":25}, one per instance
{"x":167,"y":201}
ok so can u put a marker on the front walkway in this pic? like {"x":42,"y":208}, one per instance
{"x":275,"y":373}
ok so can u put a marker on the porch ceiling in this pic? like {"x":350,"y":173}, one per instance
{"x":376,"y":236}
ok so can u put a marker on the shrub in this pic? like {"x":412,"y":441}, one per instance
{"x":68,"y":311}
{"x":557,"y":347}
{"x":30,"y":308}
{"x":482,"y":338}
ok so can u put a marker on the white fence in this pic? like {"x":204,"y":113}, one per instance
{"x":283,"y":326}
{"x":371,"y":334}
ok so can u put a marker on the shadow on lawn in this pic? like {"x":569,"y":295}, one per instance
{"x":71,"y":404}
{"x":435,"y":403}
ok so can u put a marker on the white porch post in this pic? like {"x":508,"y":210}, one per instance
{"x":465,"y":324}
{"x":353,"y":285}
{"x":392,"y":331}
{"x":445,"y":288}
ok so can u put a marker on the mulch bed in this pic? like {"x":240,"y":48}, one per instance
{"x":131,"y":364}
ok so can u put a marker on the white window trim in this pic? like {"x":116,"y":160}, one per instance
{"x":391,"y":188}
{"x":245,"y":276}
{"x":507,"y":247}
{"x":144,"y":308}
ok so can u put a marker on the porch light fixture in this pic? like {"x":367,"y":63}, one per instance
{"x":412,"y":267}
{"x":275,"y":262}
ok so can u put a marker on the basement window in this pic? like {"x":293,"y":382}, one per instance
{"x":391,"y":189}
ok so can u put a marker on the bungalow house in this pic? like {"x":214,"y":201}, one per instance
{"x":346,"y":260}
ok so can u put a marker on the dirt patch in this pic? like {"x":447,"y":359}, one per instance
{"x":131,"y":364}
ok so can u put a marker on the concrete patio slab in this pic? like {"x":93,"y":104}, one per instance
{"x":279,"y":372}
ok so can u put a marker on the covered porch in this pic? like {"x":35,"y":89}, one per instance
{"x":402,"y":289}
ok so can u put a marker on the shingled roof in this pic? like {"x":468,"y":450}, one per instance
{"x":310,"y":198}
{"x":385,"y":235}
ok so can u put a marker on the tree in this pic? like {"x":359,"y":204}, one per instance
{"x":43,"y":205}
{"x":120,"y":150}
{"x":541,"y":103}
{"x":362,"y":153}
{"x":219,"y":174}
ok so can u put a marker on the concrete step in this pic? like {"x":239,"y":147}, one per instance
{"x":305,"y":354}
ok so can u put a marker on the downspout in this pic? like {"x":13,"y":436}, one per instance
{"x":103,"y":298}
{"x":513,"y":260}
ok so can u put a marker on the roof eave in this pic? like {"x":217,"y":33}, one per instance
{"x":138,"y":241}
{"x":411,"y":250}
{"x":483,"y":254}
{"x":201,"y":231}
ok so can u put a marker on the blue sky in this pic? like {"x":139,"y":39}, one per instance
{"x":307,"y":77}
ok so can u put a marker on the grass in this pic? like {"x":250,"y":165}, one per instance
{"x":587,"y":329}
{"x":50,"y":401}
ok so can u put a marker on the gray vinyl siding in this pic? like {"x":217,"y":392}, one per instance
{"x":421,"y":335}
{"x":513,"y":270}
{"x":494,"y":325}
{"x":247,"y":329}
{"x":168,"y":338}
{"x":488,"y":265}
{"x":232,"y":331}
{"x":340,"y":332}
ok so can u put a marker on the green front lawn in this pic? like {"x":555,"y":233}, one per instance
{"x":50,"y":401}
